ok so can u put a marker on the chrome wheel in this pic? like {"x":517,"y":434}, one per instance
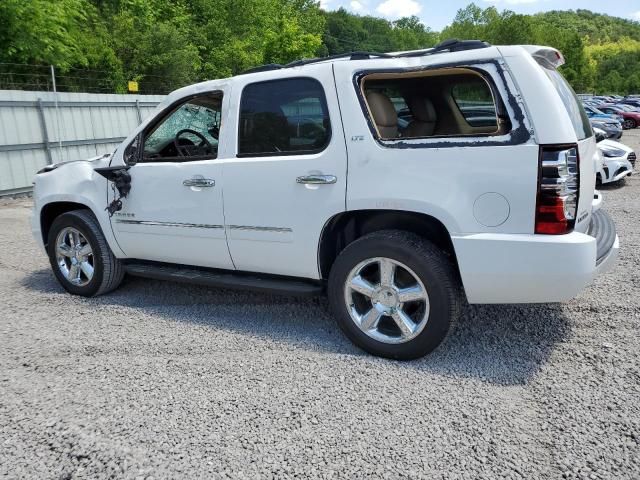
{"x":386,"y":300}
{"x":74,"y":256}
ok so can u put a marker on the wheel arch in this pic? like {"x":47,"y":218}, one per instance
{"x":346,"y":227}
{"x":50,"y":211}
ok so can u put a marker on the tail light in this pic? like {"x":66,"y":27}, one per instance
{"x":558,"y":187}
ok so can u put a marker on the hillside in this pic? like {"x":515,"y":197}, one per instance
{"x":98,"y":45}
{"x":594,"y":27}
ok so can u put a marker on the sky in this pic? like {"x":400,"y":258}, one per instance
{"x":436,"y":14}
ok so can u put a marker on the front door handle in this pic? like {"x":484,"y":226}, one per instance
{"x":317,"y":179}
{"x":199,"y":182}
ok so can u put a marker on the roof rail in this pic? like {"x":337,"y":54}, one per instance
{"x":455,"y":45}
{"x":451,"y":45}
{"x":263,"y":68}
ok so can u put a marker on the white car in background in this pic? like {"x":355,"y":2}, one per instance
{"x":618,"y":161}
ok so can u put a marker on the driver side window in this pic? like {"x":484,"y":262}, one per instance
{"x":189,"y":132}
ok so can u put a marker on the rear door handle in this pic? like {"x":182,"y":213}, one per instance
{"x":317,"y":179}
{"x":199,"y":182}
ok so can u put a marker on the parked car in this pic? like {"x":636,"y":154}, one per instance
{"x":634,"y":102}
{"x":631,"y":119}
{"x":594,"y":113}
{"x":611,"y":128}
{"x":618,"y":161}
{"x":627,"y":107}
{"x":601,"y":98}
{"x":429,"y":214}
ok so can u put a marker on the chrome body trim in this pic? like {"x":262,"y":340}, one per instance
{"x":167,"y":224}
{"x":204,"y":225}
{"x":260,"y":229}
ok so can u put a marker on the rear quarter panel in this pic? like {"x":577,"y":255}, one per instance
{"x":445,"y":177}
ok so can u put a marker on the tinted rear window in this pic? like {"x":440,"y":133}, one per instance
{"x":571,"y":102}
{"x":283,"y":117}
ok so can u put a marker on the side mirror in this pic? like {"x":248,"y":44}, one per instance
{"x":600,"y":135}
{"x":133,"y":152}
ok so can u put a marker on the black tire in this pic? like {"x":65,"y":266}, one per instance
{"x":432,"y":267}
{"x":630,"y":123}
{"x":108,"y":270}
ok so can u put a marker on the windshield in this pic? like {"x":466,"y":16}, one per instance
{"x":576,"y":112}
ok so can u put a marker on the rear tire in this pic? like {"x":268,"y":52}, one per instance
{"x":80,"y":257}
{"x":630,"y":123}
{"x":401,"y":315}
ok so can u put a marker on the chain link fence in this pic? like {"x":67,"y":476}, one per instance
{"x":47,"y":78}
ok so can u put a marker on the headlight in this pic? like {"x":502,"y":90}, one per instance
{"x":611,"y":152}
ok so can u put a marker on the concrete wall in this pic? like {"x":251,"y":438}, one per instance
{"x":33,"y":132}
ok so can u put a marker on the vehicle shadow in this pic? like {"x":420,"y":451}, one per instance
{"x":613,"y":185}
{"x":501,"y":344}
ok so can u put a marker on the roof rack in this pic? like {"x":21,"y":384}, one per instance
{"x":455,"y":45}
{"x":263,"y":68}
{"x":451,"y":45}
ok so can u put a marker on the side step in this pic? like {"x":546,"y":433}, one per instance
{"x":226,"y":279}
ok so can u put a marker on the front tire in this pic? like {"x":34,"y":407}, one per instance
{"x":630,"y":123}
{"x":80,"y":257}
{"x":394,"y":294}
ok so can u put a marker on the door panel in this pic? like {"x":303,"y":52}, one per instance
{"x":174,"y":212}
{"x":273,"y":221}
{"x":164,"y":220}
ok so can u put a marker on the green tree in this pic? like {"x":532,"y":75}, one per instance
{"x":165,"y":44}
{"x":346,"y":32}
{"x":617,"y":66}
{"x":63,"y":33}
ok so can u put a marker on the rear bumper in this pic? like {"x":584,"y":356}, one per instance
{"x":603,"y":230}
{"x":503,"y":268}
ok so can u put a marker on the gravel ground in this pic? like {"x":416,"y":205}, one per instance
{"x":161,"y":380}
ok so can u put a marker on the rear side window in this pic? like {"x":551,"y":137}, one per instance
{"x":453,"y":102}
{"x":283,"y":117}
{"x":578,"y":116}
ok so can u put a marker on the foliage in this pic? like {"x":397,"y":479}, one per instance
{"x":600,"y":51}
{"x":345,"y":32}
{"x":164,"y":44}
{"x":617,"y":65}
{"x":594,"y":27}
{"x":44,"y":32}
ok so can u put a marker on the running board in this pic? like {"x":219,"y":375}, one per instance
{"x":226,"y":279}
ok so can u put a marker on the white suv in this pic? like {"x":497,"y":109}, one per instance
{"x":403,"y":183}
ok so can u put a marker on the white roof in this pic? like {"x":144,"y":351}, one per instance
{"x":445,"y":57}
